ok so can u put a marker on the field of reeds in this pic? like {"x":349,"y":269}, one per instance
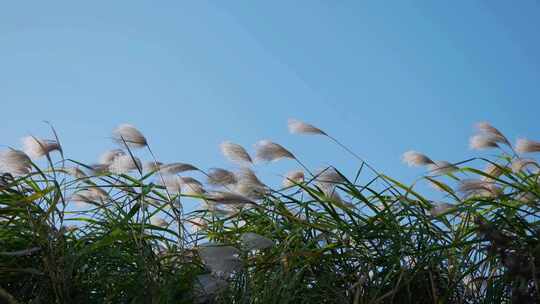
{"x":118,"y":231}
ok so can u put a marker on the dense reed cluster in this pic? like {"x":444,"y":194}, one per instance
{"x":119,"y":230}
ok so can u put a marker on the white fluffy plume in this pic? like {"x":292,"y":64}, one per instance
{"x":328,"y":177}
{"x":152,"y":166}
{"x":175,"y":168}
{"x":108,"y":156}
{"x":235,"y":152}
{"x":482,"y":142}
{"x":248,"y":176}
{"x":75,"y":172}
{"x":441,"y":167}
{"x":527,"y":146}
{"x":415,"y":159}
{"x":182,"y":184}
{"x":15,"y":162}
{"x":125,"y":163}
{"x":270,"y":151}
{"x":228,"y":198}
{"x":126,"y":134}
{"x":476,"y":187}
{"x":520,"y":164}
{"x":493,"y":170}
{"x":490,"y":131}
{"x":90,"y":195}
{"x":36,"y":147}
{"x":299,"y":127}
{"x":293,"y":177}
{"x":221,"y":177}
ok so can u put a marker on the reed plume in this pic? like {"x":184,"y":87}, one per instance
{"x":292,"y":178}
{"x":227,"y":198}
{"x":90,"y":195}
{"x":175,"y":168}
{"x":221,"y":177}
{"x":477,"y":187}
{"x":524,"y":145}
{"x":520,"y":164}
{"x":36,"y":147}
{"x":299,"y":127}
{"x":493,"y":133}
{"x":482,"y":142}
{"x":15,"y":162}
{"x":441,"y":167}
{"x":124,"y":163}
{"x":415,"y":159}
{"x":126,"y":134}
{"x":108,"y":156}
{"x":270,"y":151}
{"x":235,"y":153}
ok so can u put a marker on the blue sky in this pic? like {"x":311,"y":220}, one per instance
{"x":382,"y":76}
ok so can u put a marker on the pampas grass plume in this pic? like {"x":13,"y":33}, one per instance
{"x":235,"y":152}
{"x":15,"y":162}
{"x":270,"y":151}
{"x":415,"y":159}
{"x":124,"y":164}
{"x":527,"y":146}
{"x":175,"y":168}
{"x":221,"y":177}
{"x":36,"y":147}
{"x":126,"y":134}
{"x":482,"y":142}
{"x":292,"y":178}
{"x":299,"y":127}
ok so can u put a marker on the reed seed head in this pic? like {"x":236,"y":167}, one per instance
{"x":124,"y":164}
{"x":15,"y":162}
{"x":228,"y":198}
{"x":108,"y":156}
{"x":175,"y":168}
{"x":482,"y":142}
{"x":416,"y":159}
{"x":329,"y":176}
{"x":299,"y":127}
{"x":441,"y":167}
{"x":221,"y":177}
{"x":247,"y":176}
{"x":90,"y":195}
{"x":126,"y":134}
{"x":292,"y":178}
{"x":493,"y":170}
{"x":520,"y":164}
{"x":490,"y":131}
{"x":527,"y":146}
{"x":75,"y":172}
{"x":477,"y":187}
{"x":270,"y":151}
{"x":235,"y":153}
{"x":36,"y":147}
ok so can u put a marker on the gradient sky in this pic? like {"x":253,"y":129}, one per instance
{"x":382,"y":76}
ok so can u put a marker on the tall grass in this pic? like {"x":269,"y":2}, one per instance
{"x":119,"y":232}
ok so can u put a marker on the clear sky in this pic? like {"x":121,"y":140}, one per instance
{"x":383,"y":76}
